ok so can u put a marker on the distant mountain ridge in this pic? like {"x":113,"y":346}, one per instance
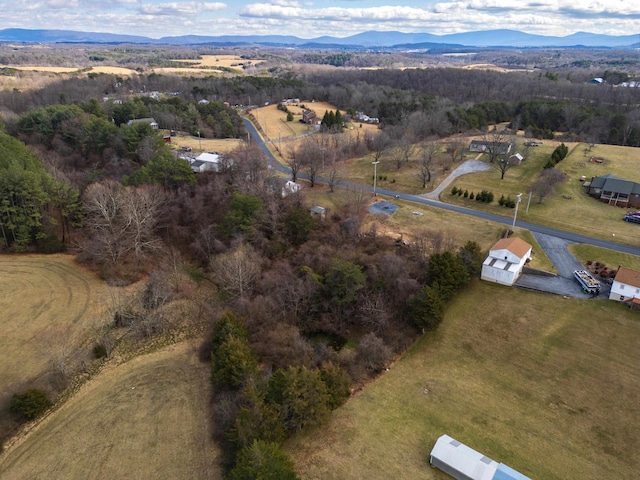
{"x":371,"y":39}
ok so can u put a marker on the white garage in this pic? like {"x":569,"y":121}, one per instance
{"x":505,"y":261}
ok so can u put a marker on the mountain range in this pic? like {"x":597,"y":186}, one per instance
{"x":370,"y":39}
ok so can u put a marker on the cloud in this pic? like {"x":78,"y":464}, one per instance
{"x":181,"y":8}
{"x":385,"y":13}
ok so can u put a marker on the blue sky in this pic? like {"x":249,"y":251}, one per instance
{"x":309,"y":19}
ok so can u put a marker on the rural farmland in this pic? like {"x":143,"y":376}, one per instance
{"x":545,"y":384}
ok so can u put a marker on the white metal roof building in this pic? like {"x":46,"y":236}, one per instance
{"x":460,"y":461}
{"x":464,"y":463}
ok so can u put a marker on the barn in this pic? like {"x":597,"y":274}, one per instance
{"x":505,"y":261}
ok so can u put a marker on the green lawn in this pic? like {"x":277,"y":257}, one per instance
{"x":544,"y":384}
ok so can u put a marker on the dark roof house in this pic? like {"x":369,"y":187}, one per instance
{"x":499,"y":148}
{"x":614,"y":191}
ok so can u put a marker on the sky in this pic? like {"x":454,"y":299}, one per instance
{"x":314,"y":18}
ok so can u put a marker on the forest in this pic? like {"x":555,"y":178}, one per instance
{"x":300,"y":311}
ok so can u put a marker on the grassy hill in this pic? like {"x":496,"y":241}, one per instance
{"x":148,"y":418}
{"x":545,"y":384}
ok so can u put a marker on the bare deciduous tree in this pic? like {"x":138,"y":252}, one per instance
{"x":294,"y":162}
{"x":546,"y":182}
{"x":122,"y":221}
{"x":235,"y":272}
{"x":426,"y":161}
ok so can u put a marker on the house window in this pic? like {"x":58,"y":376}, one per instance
{"x":622,"y":298}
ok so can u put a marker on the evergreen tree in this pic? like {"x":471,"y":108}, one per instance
{"x":263,"y":461}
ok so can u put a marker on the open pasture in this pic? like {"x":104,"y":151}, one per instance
{"x":148,"y":418}
{"x":220,"y":145}
{"x":49,"y":306}
{"x":227,"y":61}
{"x":545,"y":384}
{"x":569,"y":208}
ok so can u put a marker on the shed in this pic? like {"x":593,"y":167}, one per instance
{"x":460,"y":461}
{"x":505,"y":261}
{"x":516,"y":159}
{"x":318,"y":211}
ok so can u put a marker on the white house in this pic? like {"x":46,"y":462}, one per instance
{"x":505,"y":261}
{"x":209,"y":162}
{"x":626,"y":286}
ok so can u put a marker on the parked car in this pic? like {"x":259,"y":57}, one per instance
{"x":633,"y":217}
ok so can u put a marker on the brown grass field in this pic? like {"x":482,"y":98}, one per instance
{"x":148,"y":418}
{"x":228,"y":61}
{"x":579,"y":213}
{"x":48,"y":304}
{"x":547,"y":385}
{"x":222,"y":145}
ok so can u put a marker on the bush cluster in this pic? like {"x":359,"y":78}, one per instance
{"x":507,"y":202}
{"x":30,"y":404}
{"x":483,"y":196}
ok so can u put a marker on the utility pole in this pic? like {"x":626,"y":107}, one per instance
{"x":515,"y":214}
{"x":375,"y":176}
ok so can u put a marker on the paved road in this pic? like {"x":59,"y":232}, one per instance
{"x":554,"y":232}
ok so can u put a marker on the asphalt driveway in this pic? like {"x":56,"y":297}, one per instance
{"x":564,"y":283}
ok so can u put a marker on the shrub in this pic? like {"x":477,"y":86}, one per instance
{"x":30,"y":404}
{"x":471,"y":196}
{"x":454,"y":190}
{"x":502,"y":200}
{"x":465,"y":194}
{"x":100,"y":351}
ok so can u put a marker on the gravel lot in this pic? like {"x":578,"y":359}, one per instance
{"x":564,"y":283}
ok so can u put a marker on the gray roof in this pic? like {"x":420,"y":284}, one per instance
{"x":610,"y":183}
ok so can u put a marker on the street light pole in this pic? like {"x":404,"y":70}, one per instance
{"x":199,"y":141}
{"x":515,"y":214}
{"x":375,"y":176}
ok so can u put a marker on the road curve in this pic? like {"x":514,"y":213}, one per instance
{"x":533,"y":227}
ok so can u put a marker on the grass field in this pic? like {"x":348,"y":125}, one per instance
{"x":228,"y":61}
{"x":569,"y":208}
{"x":547,"y":385}
{"x":221,"y":145}
{"x":48,"y":305}
{"x":148,"y":418}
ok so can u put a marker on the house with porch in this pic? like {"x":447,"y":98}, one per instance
{"x":614,"y":191}
{"x":506,"y":260}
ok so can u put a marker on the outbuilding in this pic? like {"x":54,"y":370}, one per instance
{"x":505,"y":261}
{"x":464,"y":463}
{"x":460,"y":461}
